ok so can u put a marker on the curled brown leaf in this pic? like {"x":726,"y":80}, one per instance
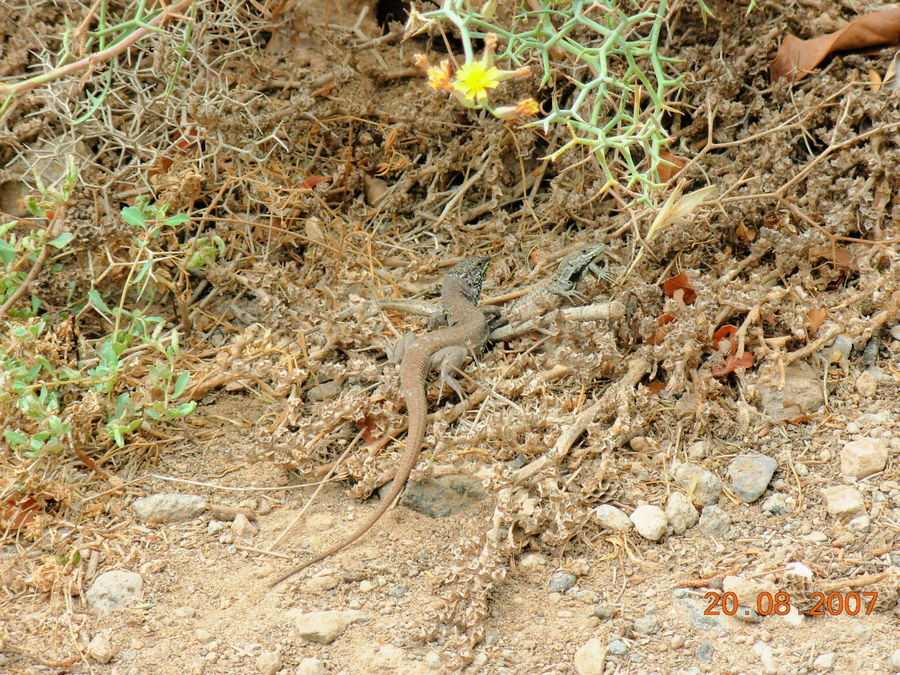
{"x":796,"y":58}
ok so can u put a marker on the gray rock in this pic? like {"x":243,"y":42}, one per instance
{"x":169,"y":507}
{"x":775,"y":504}
{"x":695,"y":613}
{"x":604,"y":611}
{"x":115,"y":589}
{"x":714,"y":522}
{"x":612,"y":518}
{"x":802,"y":393}
{"x":325,"y":627}
{"x":705,"y":652}
{"x":617,"y":648}
{"x":650,"y":521}
{"x":864,"y":457}
{"x":842,"y":501}
{"x":680,"y":512}
{"x":442,"y":497}
{"x":590,"y":659}
{"x":647,"y":625}
{"x":750,"y":475}
{"x":560,"y":582}
{"x":702,"y":484}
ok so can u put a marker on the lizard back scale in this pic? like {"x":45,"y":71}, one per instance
{"x":448,"y":346}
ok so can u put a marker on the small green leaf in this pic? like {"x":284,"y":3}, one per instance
{"x":15,"y":437}
{"x":7,"y":252}
{"x":134,"y":216}
{"x":97,"y":301}
{"x":181,"y":410}
{"x":180,"y":384}
{"x":62,"y":240}
{"x":177,"y":219}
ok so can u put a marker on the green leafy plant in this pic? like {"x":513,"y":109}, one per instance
{"x":39,"y":388}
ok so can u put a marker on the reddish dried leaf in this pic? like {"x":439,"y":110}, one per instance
{"x":368,"y":427}
{"x":725,"y":332}
{"x":745,"y":233}
{"x":17,"y":514}
{"x":668,"y":171}
{"x":313,"y":181}
{"x":838,"y":256}
{"x":656,"y":386}
{"x":680,"y":282}
{"x":815,"y":318}
{"x":733,"y":362}
{"x":796,"y":57}
{"x":660,"y":335}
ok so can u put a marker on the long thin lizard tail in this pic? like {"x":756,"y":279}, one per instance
{"x":415,"y":402}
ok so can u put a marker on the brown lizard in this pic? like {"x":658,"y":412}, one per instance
{"x":448,"y":347}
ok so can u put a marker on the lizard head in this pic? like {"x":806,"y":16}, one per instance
{"x":471,"y":272}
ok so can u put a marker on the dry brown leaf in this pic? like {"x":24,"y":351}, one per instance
{"x":682,"y":283}
{"x":675,"y":164}
{"x":796,"y":58}
{"x":815,"y":318}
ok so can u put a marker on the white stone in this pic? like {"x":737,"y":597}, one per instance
{"x":766,"y":657}
{"x":612,"y":518}
{"x":825,"y":662}
{"x":894,"y":663}
{"x":269,"y":663}
{"x":590,"y":659}
{"x":115,"y":589}
{"x":681,"y":513}
{"x":311,"y":666}
{"x":650,"y":521}
{"x":100,"y":649}
{"x":864,"y":457}
{"x":242,"y":527}
{"x":842,"y":501}
{"x":325,"y":627}
{"x":859,"y":525}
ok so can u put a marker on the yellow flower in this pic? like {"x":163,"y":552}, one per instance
{"x":474,"y":79}
{"x":439,"y":76}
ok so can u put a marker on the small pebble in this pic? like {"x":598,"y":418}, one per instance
{"x":612,"y":518}
{"x":864,"y":457}
{"x":680,"y":513}
{"x":894,"y":662}
{"x":269,"y":663}
{"x":647,"y":625}
{"x":705,"y":484}
{"x":714,"y":522}
{"x":617,"y":648}
{"x":590,"y":659}
{"x":562,"y":581}
{"x":842,"y":501}
{"x":650,"y":521}
{"x":750,"y":475}
{"x":825,"y":662}
{"x":311,"y":666}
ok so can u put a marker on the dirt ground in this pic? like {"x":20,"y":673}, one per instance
{"x":313,"y":148}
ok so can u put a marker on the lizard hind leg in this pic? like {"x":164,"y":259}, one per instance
{"x":450,"y":359}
